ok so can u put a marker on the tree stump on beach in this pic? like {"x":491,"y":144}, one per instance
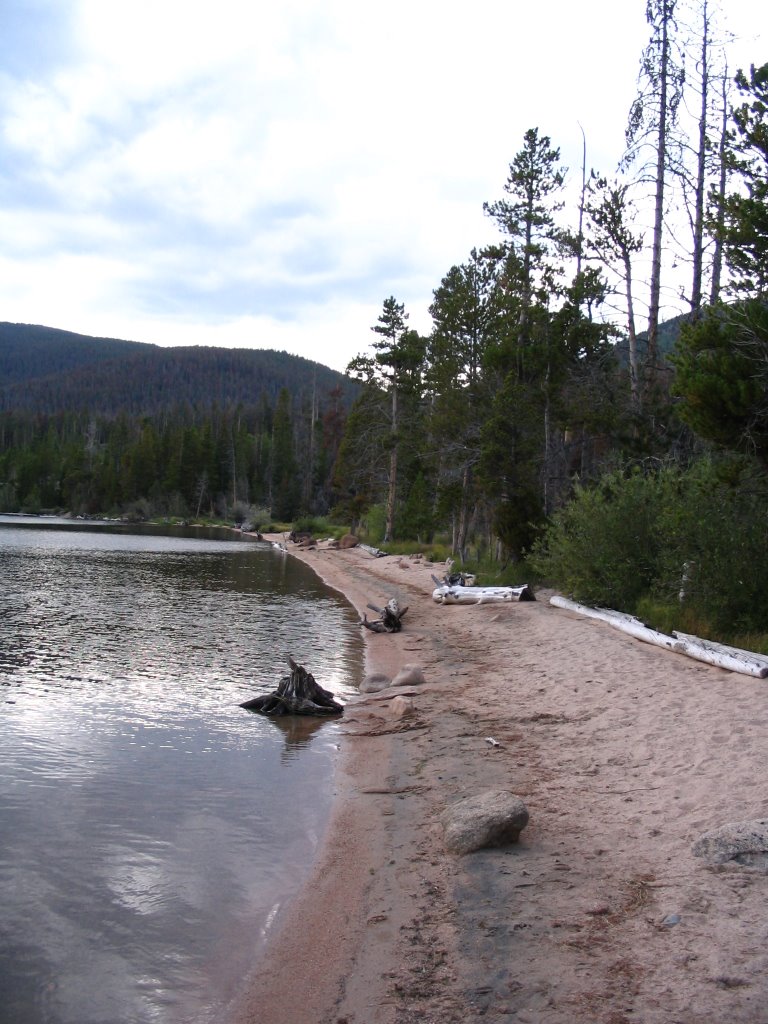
{"x":391,"y":618}
{"x":296,"y":694}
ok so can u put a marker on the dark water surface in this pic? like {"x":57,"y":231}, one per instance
{"x":150,"y":829}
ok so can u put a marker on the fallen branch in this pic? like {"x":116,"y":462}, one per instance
{"x":730,"y":658}
{"x":390,"y":620}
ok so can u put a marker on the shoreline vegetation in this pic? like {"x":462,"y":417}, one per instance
{"x":624,"y":754}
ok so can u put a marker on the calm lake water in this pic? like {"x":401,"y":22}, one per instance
{"x":151,"y":829}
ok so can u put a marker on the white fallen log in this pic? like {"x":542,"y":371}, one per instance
{"x":604,"y":614}
{"x":759,"y":661}
{"x":701,"y":650}
{"x":481,"y":595}
{"x":376,"y":552}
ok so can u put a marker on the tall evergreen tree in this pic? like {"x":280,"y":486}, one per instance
{"x":396,"y":367}
{"x":745,"y":213}
{"x":528,"y":221}
{"x":466,"y":315}
{"x":613,"y":241}
{"x":721,"y":373}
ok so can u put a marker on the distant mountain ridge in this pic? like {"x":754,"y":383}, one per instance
{"x":46,"y":370}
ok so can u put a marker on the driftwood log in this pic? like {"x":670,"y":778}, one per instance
{"x":296,"y":694}
{"x":481,"y":595}
{"x":731,"y":658}
{"x":376,"y":552}
{"x":390,"y":620}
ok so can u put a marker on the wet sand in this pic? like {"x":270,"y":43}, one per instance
{"x":624,"y":754}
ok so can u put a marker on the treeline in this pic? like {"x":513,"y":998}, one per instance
{"x":275,"y":456}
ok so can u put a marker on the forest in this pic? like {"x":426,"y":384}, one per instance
{"x":100,"y":426}
{"x":534,"y":428}
{"x":537,"y":424}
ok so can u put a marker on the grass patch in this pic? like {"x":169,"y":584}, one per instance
{"x":319,"y":527}
{"x":668,"y":617}
{"x":431,"y":552}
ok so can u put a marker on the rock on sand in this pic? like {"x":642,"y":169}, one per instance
{"x":493,"y":818}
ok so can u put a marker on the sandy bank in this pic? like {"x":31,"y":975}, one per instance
{"x":624,"y":754}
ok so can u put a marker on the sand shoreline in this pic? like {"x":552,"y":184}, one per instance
{"x":624,"y":754}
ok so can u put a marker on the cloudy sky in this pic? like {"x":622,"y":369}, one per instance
{"x":264,"y":174}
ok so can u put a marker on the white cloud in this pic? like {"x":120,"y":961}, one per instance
{"x":267,"y":173}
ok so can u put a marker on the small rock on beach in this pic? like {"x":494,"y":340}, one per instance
{"x":374,"y":682}
{"x":739,"y":843}
{"x":493,"y":818}
{"x":409,"y":675}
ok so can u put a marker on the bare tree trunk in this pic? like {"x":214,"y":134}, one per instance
{"x":634,"y":366}
{"x":233,"y":461}
{"x":202,"y":486}
{"x":582,"y":205}
{"x":389,"y":528}
{"x":658,"y":215}
{"x":698,"y":220}
{"x":460,"y":546}
{"x":717,"y":257}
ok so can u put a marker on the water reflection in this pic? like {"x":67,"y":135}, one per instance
{"x":143,"y":834}
{"x":297,"y":732}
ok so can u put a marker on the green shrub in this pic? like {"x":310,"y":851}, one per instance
{"x":716,"y":530}
{"x":416,"y":519}
{"x":319,"y":526}
{"x":684,"y":549}
{"x":373,"y":525}
{"x":666,"y":617}
{"x":603,"y":547}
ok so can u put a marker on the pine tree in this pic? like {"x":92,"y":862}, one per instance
{"x":745,"y":213}
{"x":396,"y":371}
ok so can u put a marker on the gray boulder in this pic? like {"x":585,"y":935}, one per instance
{"x":493,"y":818}
{"x":409,"y":675}
{"x":742,"y":843}
{"x":374,"y":682}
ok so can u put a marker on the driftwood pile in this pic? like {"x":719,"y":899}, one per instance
{"x":296,"y":694}
{"x":455,"y":579}
{"x":391,"y":618}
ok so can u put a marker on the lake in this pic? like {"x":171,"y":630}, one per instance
{"x":151,"y":830}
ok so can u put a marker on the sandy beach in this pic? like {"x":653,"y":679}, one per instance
{"x":624,"y":755}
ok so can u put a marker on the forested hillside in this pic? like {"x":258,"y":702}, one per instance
{"x":97,"y":425}
{"x":44,"y":370}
